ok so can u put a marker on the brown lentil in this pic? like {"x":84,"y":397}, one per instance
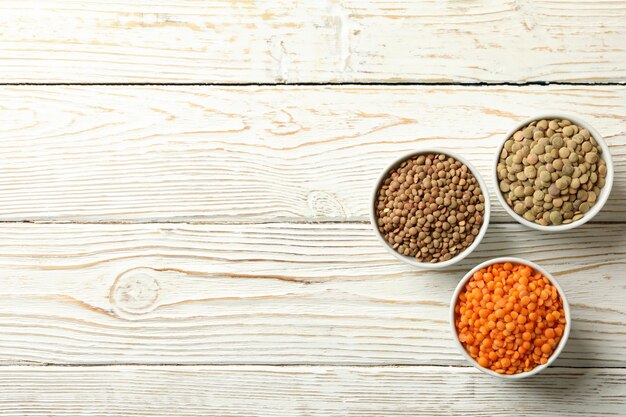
{"x":552,"y":159}
{"x":430,"y":208}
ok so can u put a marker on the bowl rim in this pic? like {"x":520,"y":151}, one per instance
{"x":604,"y":192}
{"x":411,"y":261}
{"x":553,"y":281}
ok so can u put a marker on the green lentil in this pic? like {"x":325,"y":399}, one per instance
{"x":551,"y":172}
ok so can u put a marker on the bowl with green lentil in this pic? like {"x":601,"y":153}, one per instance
{"x":553,"y":172}
{"x":430,"y":208}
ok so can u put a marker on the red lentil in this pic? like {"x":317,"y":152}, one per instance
{"x":509,"y":318}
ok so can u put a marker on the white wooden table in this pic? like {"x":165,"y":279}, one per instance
{"x":183,"y":203}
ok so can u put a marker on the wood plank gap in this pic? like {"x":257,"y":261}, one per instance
{"x":273,"y":365}
{"x":241,"y":222}
{"x":320,"y":84}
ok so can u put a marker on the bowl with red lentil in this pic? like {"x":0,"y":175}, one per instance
{"x":430,"y":208}
{"x":510,"y":318}
{"x":553,"y":172}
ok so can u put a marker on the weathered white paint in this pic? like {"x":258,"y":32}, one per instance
{"x":259,"y":285}
{"x":274,"y":293}
{"x":305,"y":391}
{"x":103,"y":153}
{"x":312,"y":41}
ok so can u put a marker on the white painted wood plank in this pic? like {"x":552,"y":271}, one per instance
{"x":145,"y":154}
{"x":272,"y":293}
{"x":312,"y":41}
{"x":305,"y":391}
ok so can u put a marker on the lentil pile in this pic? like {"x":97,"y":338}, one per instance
{"x":509,"y":318}
{"x":430,"y":208}
{"x":550,"y":172}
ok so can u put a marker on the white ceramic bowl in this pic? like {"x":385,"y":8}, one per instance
{"x":410,"y":260}
{"x":553,"y":281}
{"x":604,"y":192}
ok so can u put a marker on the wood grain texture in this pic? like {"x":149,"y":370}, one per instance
{"x":146,"y":154}
{"x":272,"y":293}
{"x":161,"y":235}
{"x":312,"y":41}
{"x":305,"y":391}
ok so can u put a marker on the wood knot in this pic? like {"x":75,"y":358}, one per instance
{"x":283,"y":124}
{"x":324,"y":204}
{"x":135,"y":291}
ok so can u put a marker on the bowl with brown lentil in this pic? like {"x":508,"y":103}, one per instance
{"x":430,"y":208}
{"x":553,"y":172}
{"x":509,"y":318}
